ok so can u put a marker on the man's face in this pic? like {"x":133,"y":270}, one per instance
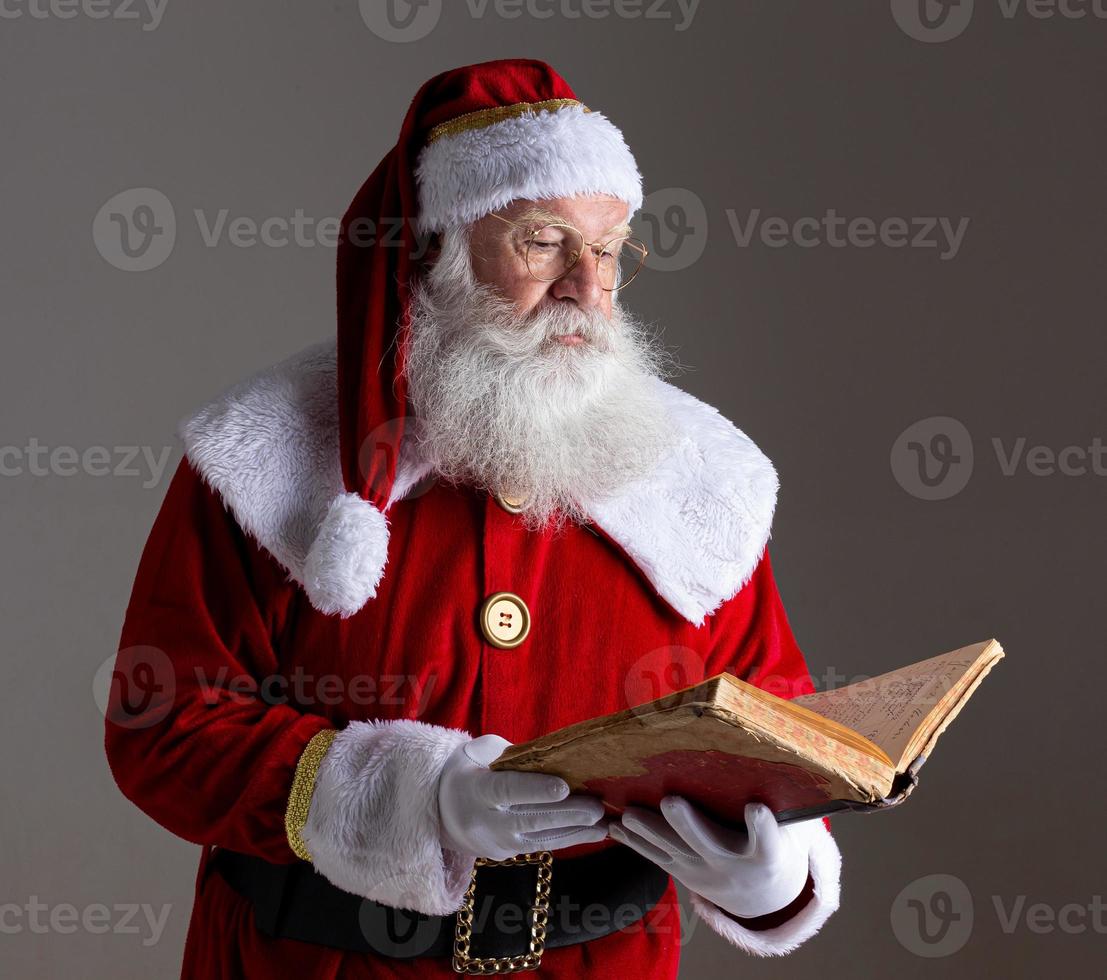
{"x":497,"y":252}
{"x":539,"y":389}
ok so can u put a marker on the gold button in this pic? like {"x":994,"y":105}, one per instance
{"x":504,"y":620}
{"x":511,"y":503}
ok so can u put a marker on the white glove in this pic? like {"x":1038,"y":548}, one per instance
{"x":500,"y":814}
{"x":746,"y":875}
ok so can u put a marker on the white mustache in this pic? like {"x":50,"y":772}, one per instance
{"x":551,"y":323}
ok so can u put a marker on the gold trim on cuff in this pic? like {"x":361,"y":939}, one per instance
{"x":303,"y":785}
{"x":486,"y":117}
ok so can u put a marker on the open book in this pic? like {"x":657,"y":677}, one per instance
{"x":723,"y":742}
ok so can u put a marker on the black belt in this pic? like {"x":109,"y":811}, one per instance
{"x":588,"y":897}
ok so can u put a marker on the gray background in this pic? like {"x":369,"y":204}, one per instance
{"x":824,"y":355}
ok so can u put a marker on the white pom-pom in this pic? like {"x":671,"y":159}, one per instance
{"x":347,"y":559}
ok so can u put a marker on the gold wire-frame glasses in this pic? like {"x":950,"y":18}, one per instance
{"x":553,"y":250}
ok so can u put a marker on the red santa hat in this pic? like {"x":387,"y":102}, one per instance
{"x":473,"y":140}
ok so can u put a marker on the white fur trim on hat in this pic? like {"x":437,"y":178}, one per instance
{"x":565,"y":152}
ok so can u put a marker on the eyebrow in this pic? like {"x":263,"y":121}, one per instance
{"x":541,"y":214}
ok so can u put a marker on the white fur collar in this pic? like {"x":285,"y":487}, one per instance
{"x":696,"y":526}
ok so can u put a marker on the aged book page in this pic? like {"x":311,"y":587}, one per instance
{"x":904,"y":710}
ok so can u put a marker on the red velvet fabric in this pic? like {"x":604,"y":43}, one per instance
{"x":374,"y":266}
{"x":211,"y":758}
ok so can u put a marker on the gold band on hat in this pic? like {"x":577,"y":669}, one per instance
{"x":486,"y":117}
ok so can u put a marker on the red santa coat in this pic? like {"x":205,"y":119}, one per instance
{"x":672,"y":583}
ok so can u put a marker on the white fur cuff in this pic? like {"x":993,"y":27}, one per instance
{"x":373,"y":826}
{"x":826,"y":869}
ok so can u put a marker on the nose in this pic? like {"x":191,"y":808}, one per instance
{"x":582,"y":285}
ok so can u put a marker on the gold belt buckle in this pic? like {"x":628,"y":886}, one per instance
{"x":463,"y":931}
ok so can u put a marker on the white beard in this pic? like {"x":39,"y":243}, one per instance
{"x":504,"y":407}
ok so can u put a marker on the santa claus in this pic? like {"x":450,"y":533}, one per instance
{"x":482,"y":515}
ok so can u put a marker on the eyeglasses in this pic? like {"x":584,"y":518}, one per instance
{"x":553,"y":251}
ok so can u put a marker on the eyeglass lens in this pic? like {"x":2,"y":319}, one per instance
{"x":555,"y":249}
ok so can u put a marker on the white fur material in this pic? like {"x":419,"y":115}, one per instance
{"x":373,"y":827}
{"x":826,"y":870}
{"x":696,"y":526}
{"x":269,"y":448}
{"x":698,"y":523}
{"x":561,"y":153}
{"x":346,"y":562}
